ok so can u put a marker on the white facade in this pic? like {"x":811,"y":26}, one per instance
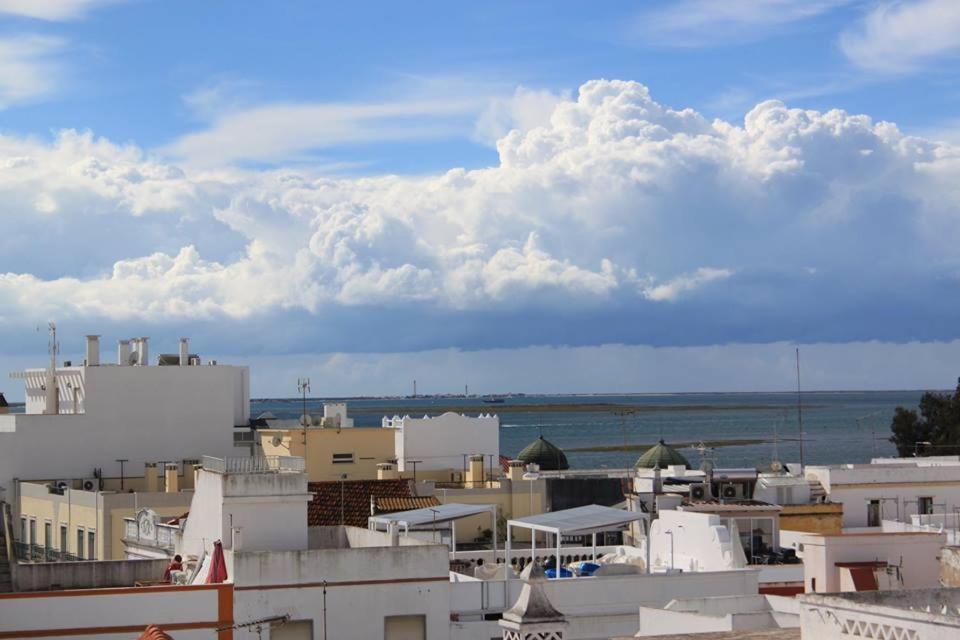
{"x":697,"y":542}
{"x":440,"y":442}
{"x":897,"y":489}
{"x":141,"y":413}
{"x":116,"y":614}
{"x":912,"y":557}
{"x":347,"y":581}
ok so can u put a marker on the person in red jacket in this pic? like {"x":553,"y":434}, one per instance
{"x":175,"y":565}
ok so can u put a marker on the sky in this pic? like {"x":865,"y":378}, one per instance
{"x":520,"y":196}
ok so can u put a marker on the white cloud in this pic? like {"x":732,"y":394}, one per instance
{"x":29,"y":68}
{"x":52,"y":10}
{"x":898,"y":37}
{"x":524,"y":110}
{"x":699,"y":23}
{"x":674,"y":288}
{"x":615,"y":207}
{"x":278,"y":132}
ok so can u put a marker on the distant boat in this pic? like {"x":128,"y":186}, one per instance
{"x":493,"y":400}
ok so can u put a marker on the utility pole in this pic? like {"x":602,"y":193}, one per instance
{"x":799,"y":411}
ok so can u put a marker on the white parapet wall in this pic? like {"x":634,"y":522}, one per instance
{"x":923,"y":614}
{"x":185,"y":612}
{"x":440,"y":442}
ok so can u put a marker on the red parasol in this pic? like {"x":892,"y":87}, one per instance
{"x":218,"y":565}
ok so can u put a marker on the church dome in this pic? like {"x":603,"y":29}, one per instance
{"x":545,"y":454}
{"x":661,"y":455}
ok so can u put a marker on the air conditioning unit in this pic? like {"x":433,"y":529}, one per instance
{"x":90,"y":484}
{"x":698,"y":491}
{"x":729,"y":491}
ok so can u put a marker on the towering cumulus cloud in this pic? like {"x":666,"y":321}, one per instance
{"x":646,"y":224}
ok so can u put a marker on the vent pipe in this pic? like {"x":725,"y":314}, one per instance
{"x":93,"y":351}
{"x":184,"y":352}
{"x":123,"y":352}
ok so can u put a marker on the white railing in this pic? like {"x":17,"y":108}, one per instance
{"x":254,"y":464}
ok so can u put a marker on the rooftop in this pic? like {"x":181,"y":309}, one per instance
{"x":661,"y":455}
{"x":328,"y":509}
{"x":762,"y":634}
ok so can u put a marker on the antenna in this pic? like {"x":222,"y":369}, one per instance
{"x":303,"y":386}
{"x":799,"y":410}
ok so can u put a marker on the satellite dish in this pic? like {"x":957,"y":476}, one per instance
{"x":132,"y":359}
{"x":276,"y":441}
{"x":776,"y":466}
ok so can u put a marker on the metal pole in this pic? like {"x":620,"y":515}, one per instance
{"x":799,"y":410}
{"x":121,"y":461}
{"x":324,"y":610}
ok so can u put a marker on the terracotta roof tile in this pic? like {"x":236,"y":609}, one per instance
{"x":325,"y":508}
{"x":153,"y":632}
{"x":392,"y":505}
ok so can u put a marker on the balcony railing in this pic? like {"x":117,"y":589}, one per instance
{"x":37,"y":553}
{"x":254,"y":464}
{"x":164,"y":535}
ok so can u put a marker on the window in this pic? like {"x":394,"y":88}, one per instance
{"x":79,"y":543}
{"x":925,"y":506}
{"x":873,"y":513}
{"x":91,"y":545}
{"x":343,"y":458}
{"x":64,"y":545}
{"x":48,"y":535}
{"x":33,"y":531}
{"x":23,"y":530}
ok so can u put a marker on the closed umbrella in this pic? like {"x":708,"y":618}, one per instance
{"x":218,"y":565}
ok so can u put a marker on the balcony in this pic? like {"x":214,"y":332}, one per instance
{"x":254,"y":464}
{"x":159,"y":536}
{"x":36,"y":553}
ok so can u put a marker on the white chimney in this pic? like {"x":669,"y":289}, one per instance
{"x":123,"y":352}
{"x":184,"y":352}
{"x":93,"y":351}
{"x":143,"y":356}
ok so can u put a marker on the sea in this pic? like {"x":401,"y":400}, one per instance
{"x":610,"y":431}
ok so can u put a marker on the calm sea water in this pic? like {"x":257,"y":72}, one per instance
{"x":832,"y":432}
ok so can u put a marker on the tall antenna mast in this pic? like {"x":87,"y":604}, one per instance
{"x":799,"y":410}
{"x":303,"y":386}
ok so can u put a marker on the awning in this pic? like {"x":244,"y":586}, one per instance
{"x":431,"y":515}
{"x":579,"y":521}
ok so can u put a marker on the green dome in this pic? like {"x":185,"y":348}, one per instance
{"x":545,"y":454}
{"x":661,"y":455}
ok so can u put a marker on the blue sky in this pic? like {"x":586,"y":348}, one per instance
{"x":299,"y":185}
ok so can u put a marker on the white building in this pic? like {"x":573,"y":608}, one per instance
{"x":96,"y":413}
{"x":923,"y":614}
{"x":328,"y":582}
{"x":871,"y":559}
{"x":440,"y":442}
{"x":891,"y":489}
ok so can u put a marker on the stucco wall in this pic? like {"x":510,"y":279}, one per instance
{"x":440,"y":442}
{"x":188,"y":613}
{"x":138,"y":413}
{"x":369,"y":447}
{"x":42,"y":576}
{"x":813,"y":518}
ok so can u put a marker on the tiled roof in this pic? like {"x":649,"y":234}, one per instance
{"x":325,"y":508}
{"x":153,"y":632}
{"x":392,"y":505}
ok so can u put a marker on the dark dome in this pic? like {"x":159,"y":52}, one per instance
{"x":544,"y":453}
{"x":661,"y":455}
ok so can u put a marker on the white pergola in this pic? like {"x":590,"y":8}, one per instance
{"x":579,"y":521}
{"x":440,"y":514}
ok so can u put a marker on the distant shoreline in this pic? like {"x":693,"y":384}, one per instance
{"x":585,"y":407}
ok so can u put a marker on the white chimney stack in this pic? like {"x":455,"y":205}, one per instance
{"x":93,"y":351}
{"x":143,"y":355}
{"x":184,"y":352}
{"x":123,"y":352}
